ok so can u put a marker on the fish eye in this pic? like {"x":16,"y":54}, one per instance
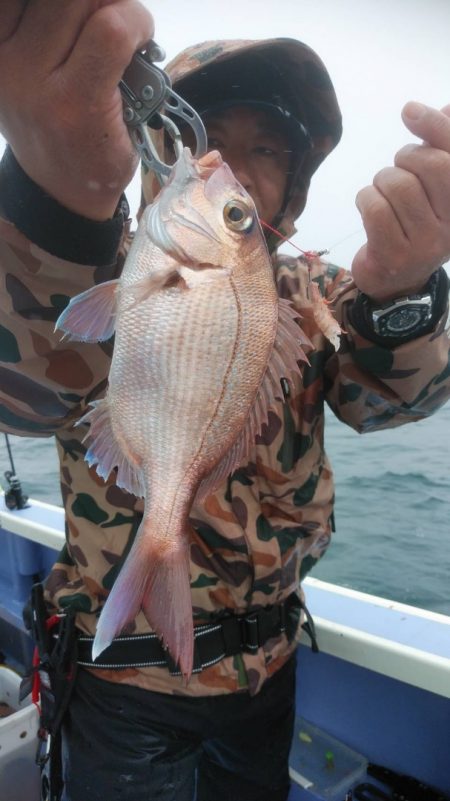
{"x":237,"y":215}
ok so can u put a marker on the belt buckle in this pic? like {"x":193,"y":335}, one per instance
{"x":250,"y":633}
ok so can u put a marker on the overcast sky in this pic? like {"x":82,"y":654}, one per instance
{"x":380,"y":54}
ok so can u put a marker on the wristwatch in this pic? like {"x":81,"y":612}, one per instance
{"x":402,"y":316}
{"x":403,"y":319}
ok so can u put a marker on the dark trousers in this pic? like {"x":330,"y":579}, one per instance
{"x":122,"y":743}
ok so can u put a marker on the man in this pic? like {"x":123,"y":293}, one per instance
{"x":133,"y":730}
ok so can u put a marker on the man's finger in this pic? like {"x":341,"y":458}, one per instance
{"x":106,"y":46}
{"x":381,"y":224}
{"x":409,"y":202}
{"x":49,"y":30}
{"x":432,"y":168}
{"x":429,"y":124}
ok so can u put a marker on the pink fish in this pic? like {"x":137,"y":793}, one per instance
{"x":201,"y":343}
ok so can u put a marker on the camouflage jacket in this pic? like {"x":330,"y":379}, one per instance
{"x":255,"y":537}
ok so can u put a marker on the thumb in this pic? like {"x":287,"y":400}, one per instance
{"x":368,"y":274}
{"x":429,"y":124}
{"x":359,"y":264}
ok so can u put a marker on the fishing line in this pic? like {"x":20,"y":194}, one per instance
{"x":336,"y":244}
{"x":311,"y":254}
{"x":307,"y":256}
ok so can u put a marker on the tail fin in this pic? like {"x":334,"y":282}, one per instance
{"x":154,"y":578}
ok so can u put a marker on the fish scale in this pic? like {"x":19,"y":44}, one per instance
{"x":183,"y":361}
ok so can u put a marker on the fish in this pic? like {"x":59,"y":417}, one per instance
{"x":202,"y":341}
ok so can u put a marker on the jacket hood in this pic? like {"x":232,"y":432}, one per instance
{"x":292,"y":75}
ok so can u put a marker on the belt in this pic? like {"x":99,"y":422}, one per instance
{"x":226,"y":636}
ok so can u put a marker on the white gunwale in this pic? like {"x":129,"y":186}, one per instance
{"x":382,"y":654}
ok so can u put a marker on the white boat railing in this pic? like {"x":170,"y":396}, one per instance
{"x":397,"y":640}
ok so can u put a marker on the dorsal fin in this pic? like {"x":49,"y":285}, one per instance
{"x":286,"y":354}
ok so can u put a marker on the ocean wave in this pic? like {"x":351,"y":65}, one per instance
{"x":392,"y":480}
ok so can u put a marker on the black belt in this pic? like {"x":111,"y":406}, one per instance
{"x":227,"y":636}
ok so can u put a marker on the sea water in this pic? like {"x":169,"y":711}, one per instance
{"x":392,"y":506}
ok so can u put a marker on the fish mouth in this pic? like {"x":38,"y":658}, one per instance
{"x":219,"y":178}
{"x":211,"y":160}
{"x":213,"y":171}
{"x":188,"y":166}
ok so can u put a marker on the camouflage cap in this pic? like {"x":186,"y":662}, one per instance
{"x":302,"y":82}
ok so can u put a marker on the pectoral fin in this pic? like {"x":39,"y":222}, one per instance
{"x":90,"y":316}
{"x":165,"y":278}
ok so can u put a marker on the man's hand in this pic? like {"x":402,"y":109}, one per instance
{"x":406,"y":213}
{"x":60,"y":106}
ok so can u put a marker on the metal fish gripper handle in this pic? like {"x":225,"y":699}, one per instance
{"x":146,"y":94}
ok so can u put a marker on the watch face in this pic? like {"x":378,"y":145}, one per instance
{"x":402,"y":317}
{"x":403,"y":320}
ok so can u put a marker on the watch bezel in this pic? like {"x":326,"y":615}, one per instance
{"x":382,"y":314}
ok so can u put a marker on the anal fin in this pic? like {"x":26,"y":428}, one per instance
{"x":105,"y":452}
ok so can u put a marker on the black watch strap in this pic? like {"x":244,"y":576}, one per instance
{"x":54,"y":228}
{"x":360,"y":313}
